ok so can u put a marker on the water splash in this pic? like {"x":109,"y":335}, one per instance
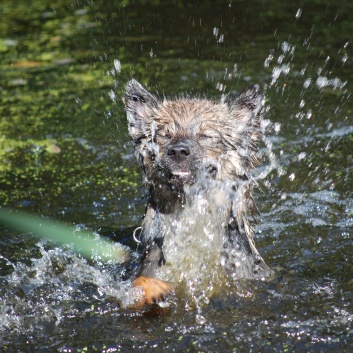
{"x":336,"y":83}
{"x":54,"y":286}
{"x":284,"y":60}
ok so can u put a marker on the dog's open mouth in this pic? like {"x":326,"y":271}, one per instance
{"x":181,"y":176}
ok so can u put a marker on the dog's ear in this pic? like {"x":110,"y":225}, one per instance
{"x":246,"y":109}
{"x":138,"y":105}
{"x":247,"y":105}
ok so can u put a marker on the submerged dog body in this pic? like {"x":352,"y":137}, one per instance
{"x":197,"y":156}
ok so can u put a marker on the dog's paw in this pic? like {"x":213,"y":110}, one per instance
{"x":150,"y":291}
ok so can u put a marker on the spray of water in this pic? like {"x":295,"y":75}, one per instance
{"x":54,"y":286}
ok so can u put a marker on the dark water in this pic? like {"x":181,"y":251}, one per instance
{"x":65,"y":155}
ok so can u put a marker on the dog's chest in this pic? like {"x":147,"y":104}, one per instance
{"x":194,"y":238}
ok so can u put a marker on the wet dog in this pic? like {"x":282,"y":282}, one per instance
{"x":197,"y":156}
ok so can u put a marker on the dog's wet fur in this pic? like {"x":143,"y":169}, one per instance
{"x":197,"y":157}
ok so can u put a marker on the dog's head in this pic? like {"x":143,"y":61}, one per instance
{"x":180,"y":141}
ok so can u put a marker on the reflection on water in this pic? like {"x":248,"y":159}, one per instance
{"x":62,"y":156}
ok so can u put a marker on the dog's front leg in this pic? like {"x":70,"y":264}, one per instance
{"x":153,"y":290}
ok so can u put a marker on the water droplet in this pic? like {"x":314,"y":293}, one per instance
{"x":220,"y":86}
{"x":345,"y":58}
{"x":112,"y":96}
{"x":299,"y":13}
{"x":268,"y":60}
{"x":302,"y":155}
{"x":307,"y":82}
{"x":277,"y":127}
{"x":221,"y":38}
{"x":117,"y":65}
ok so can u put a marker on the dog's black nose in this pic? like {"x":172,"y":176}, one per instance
{"x":179,"y":151}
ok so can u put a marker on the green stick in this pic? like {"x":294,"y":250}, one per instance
{"x":83,"y":243}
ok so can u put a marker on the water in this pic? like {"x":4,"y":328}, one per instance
{"x":65,"y":154}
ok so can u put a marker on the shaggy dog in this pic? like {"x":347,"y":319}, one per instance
{"x":197,"y":156}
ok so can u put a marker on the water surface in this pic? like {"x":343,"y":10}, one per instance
{"x":65,"y":155}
